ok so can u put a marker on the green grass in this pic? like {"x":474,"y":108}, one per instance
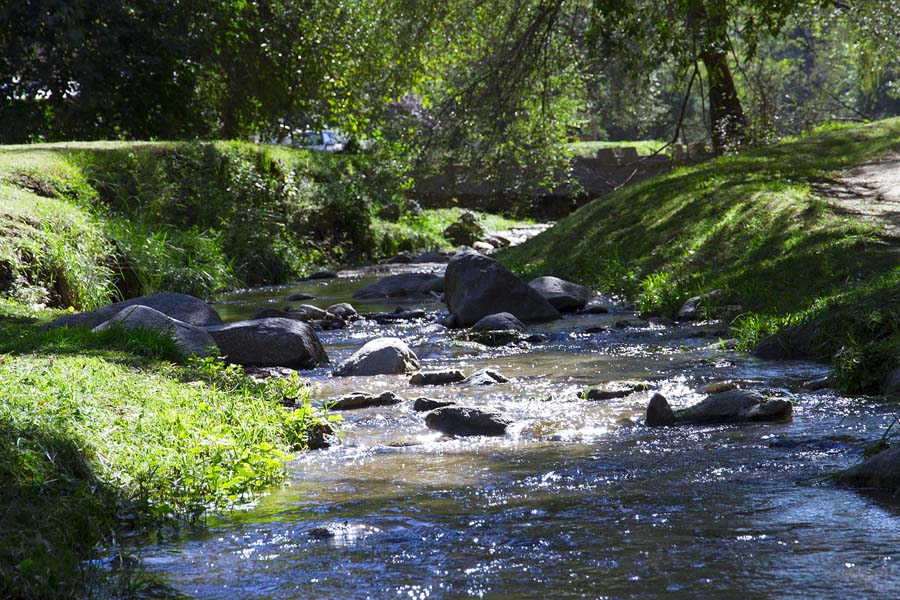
{"x":752,"y":225}
{"x":589,"y":149}
{"x":425,"y":231}
{"x":105,"y":434}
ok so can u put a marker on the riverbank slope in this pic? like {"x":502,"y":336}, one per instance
{"x":766,"y":226}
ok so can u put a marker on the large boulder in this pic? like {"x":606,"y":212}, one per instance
{"x":460,"y":420}
{"x":270,"y":343}
{"x":476,"y":286}
{"x":190,"y":339}
{"x":881,"y":471}
{"x":181,"y":307}
{"x":465,"y":231}
{"x":732,"y":406}
{"x":499,"y":322}
{"x":384,"y":356}
{"x":398,"y":286}
{"x":565,"y":296}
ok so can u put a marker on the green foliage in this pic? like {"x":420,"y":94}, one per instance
{"x":753,"y":225}
{"x":97,"y":436}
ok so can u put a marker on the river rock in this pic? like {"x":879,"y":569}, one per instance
{"x":397,"y":286}
{"x":357,"y":400}
{"x":614,"y":389}
{"x":595,"y":307}
{"x":427,"y":404}
{"x":277,"y":313}
{"x":499,"y":322}
{"x":343,"y":311}
{"x":483,"y":247}
{"x":733,"y":406}
{"x":494,"y":339}
{"x":565,"y":296}
{"x":270,"y":343}
{"x":299,"y":297}
{"x":697,"y":307}
{"x":323,"y":275}
{"x":881,"y":471}
{"x":788,"y":343}
{"x":476,"y":286}
{"x":190,"y":340}
{"x":465,"y":231}
{"x":403,"y":258}
{"x":434,"y":286}
{"x":180,"y":307}
{"x":460,"y":420}
{"x":384,"y":356}
{"x":313,"y":312}
{"x":319,"y":435}
{"x":485,"y":377}
{"x":437,"y":377}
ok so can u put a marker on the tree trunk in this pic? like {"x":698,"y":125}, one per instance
{"x":729,"y":123}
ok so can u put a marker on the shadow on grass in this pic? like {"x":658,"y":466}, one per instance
{"x":56,"y":515}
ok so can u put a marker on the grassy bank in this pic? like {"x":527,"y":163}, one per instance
{"x":81,"y":223}
{"x":760,"y":226}
{"x":103,"y":435}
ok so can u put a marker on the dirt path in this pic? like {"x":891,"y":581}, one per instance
{"x":870,"y":191}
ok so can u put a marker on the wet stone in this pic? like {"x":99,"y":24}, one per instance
{"x":427,"y":404}
{"x":463,"y":421}
{"x":437,"y":377}
{"x":358,"y":400}
{"x":323,"y":275}
{"x":300,"y":296}
{"x":485,"y":377}
{"x":615,"y":389}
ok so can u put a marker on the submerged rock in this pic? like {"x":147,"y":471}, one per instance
{"x":384,"y":356}
{"x":270,"y":343}
{"x":398,"y":286}
{"x":459,"y":420}
{"x":190,"y":340}
{"x":595,"y":307}
{"x":181,"y":307}
{"x":323,"y":275}
{"x":565,"y":296}
{"x":732,"y":406}
{"x":477,"y":286}
{"x":357,"y":400}
{"x":615,"y":389}
{"x":427,"y":404}
{"x":881,"y":471}
{"x":299,"y":297}
{"x":343,"y":311}
{"x":485,"y":377}
{"x":437,"y":377}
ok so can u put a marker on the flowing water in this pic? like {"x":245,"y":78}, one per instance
{"x":578,"y":500}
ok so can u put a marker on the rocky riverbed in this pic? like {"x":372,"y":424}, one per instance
{"x":567,"y":489}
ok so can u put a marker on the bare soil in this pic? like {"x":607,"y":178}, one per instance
{"x":870,"y":191}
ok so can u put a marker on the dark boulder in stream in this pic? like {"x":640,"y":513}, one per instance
{"x":499,"y":322}
{"x":700,"y":306}
{"x":437,"y":377}
{"x":427,"y":404}
{"x":182,"y":307}
{"x":460,"y":420}
{"x":565,"y":296}
{"x":384,"y":356}
{"x":477,"y":286}
{"x":732,"y":406}
{"x":879,"y":472}
{"x":270,"y":343}
{"x":614,"y":389}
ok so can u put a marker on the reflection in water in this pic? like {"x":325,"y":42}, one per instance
{"x":578,"y":500}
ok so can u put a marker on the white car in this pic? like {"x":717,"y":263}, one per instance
{"x":323,"y":141}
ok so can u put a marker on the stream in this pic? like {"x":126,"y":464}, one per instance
{"x":578,"y":500}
